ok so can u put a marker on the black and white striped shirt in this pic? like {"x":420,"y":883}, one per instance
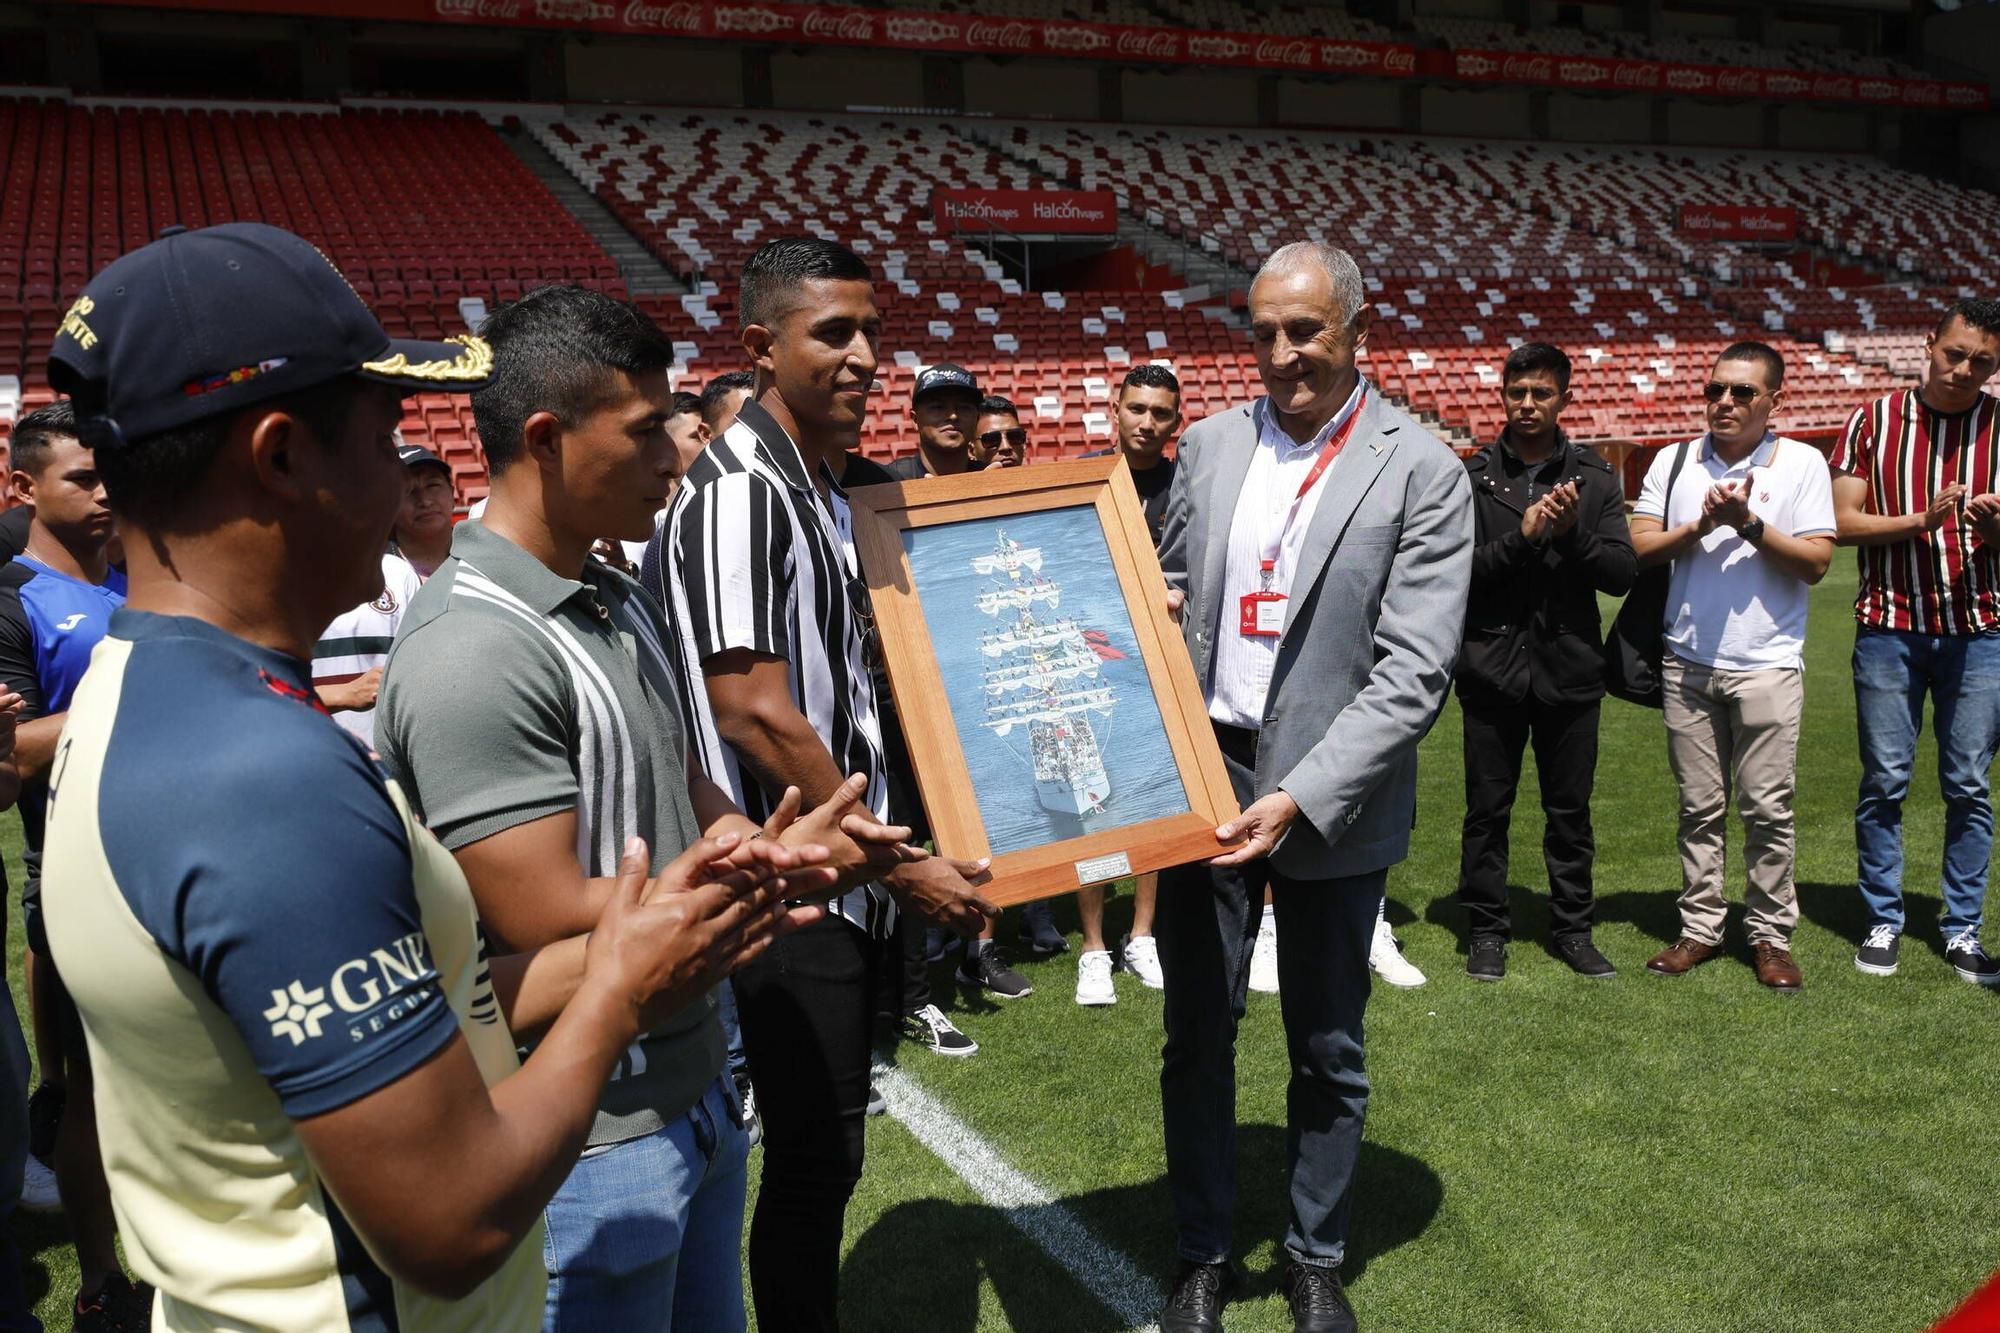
{"x":759,"y":562}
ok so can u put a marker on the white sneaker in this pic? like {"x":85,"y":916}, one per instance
{"x":1388,"y":960}
{"x":1142,"y":956}
{"x":1264,"y":959}
{"x":38,"y":1188}
{"x":1093,"y":978}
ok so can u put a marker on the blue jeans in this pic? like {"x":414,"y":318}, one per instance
{"x":1893,"y":672}
{"x":648,"y":1234}
{"x":737,"y":1064}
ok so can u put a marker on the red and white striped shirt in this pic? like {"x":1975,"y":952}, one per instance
{"x":1944,"y":581}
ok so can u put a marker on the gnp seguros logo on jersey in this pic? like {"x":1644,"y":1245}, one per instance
{"x":373,"y":993}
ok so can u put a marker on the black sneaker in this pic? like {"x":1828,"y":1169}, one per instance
{"x":929,"y":1026}
{"x":120,"y":1306}
{"x":1583,"y":957}
{"x":45,"y":1109}
{"x":986,"y":968}
{"x":1877,"y":954}
{"x":1486,"y":960}
{"x":877,"y":1103}
{"x":1962,"y":951}
{"x":1194,"y":1304}
{"x":1038,"y":932}
{"x":1318,"y":1301}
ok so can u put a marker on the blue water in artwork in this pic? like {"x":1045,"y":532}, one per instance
{"x":1085,"y":749}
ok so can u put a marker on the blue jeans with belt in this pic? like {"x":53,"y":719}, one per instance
{"x":1894,"y":672}
{"x":1206,"y":923}
{"x":648,"y":1234}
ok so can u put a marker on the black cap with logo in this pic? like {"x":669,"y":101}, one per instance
{"x":944,"y":378}
{"x":202,"y":323}
{"x":416,"y":456}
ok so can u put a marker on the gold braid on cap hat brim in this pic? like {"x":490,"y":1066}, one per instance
{"x":474,"y":363}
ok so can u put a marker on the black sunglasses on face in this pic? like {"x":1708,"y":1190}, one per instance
{"x":1017,"y":436}
{"x":1742,"y":393}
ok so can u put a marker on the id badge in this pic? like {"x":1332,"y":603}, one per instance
{"x":1263,"y":614}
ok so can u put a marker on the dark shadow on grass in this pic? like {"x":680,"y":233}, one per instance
{"x":1527,"y":912}
{"x":1838,"y":908}
{"x":933,"y":1254}
{"x":34,"y":1235}
{"x":1655,"y":912}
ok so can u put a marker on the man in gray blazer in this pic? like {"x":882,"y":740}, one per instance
{"x":1318,"y":543}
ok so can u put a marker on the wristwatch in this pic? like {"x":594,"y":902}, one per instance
{"x":1751,"y":531}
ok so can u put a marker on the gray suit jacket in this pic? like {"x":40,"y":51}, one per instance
{"x":1371,"y":633}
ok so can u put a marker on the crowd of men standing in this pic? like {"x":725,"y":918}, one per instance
{"x":460,"y":1031}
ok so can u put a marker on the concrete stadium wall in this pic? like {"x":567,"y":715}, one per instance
{"x":1822,"y":130}
{"x":670,"y":72}
{"x":826,"y":80}
{"x":1368,"y":105}
{"x":1190,"y":98}
{"x":1501,"y":113}
{"x":1065,"y":89}
{"x":1732,"y":124}
{"x":1600,"y":119}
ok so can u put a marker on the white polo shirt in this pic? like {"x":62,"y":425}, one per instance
{"x":1728,"y":605}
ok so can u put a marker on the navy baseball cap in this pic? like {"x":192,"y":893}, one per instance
{"x":415,"y":455}
{"x":944,"y":379}
{"x":202,"y":323}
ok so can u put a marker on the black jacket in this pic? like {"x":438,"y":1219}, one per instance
{"x":1531,"y":624}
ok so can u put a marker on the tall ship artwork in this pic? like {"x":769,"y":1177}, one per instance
{"x":1046,"y":676}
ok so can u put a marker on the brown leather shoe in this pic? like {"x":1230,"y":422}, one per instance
{"x":1680,"y":956}
{"x":1775,"y":967}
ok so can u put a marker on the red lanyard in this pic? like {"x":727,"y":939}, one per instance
{"x":1327,"y":454}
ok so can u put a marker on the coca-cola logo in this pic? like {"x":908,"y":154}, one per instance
{"x":751,"y":19}
{"x":1875,"y":90}
{"x":1583,"y":73}
{"x":990,"y":36}
{"x":1690,"y":80}
{"x":1833,"y":87}
{"x":921,"y":31}
{"x":1073,"y":37}
{"x":1400,"y":60}
{"x":683,"y":16}
{"x":1785,"y":85}
{"x":838,"y":25}
{"x":1528,"y":69}
{"x":1216,"y":48}
{"x":571,"y":11}
{"x":478,"y":9}
{"x":1635,"y":74}
{"x":1346,"y":55}
{"x":1149,"y":44}
{"x":1923,"y":94}
{"x":1742,"y":82}
{"x":1473,"y":65}
{"x":1275,"y":51}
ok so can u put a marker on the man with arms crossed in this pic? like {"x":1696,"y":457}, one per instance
{"x":1323,"y":543}
{"x":308,"y":1098}
{"x":1749,"y":527}
{"x":1915,"y":478}
{"x":771,"y":615}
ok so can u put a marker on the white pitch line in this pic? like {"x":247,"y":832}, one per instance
{"x":1104,"y":1271}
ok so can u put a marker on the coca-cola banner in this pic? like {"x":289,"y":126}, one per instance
{"x":1740,"y":222}
{"x":1028,"y":211}
{"x":1656,"y":76}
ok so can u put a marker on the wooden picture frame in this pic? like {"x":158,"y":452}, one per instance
{"x":1028,"y":685}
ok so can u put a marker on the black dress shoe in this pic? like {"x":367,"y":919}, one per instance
{"x":1486,"y":958}
{"x":1318,"y":1301}
{"x":1199,"y":1293}
{"x":1583,"y":957}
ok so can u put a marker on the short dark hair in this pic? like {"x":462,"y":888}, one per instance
{"x":1978,"y":312}
{"x":154,"y":481}
{"x":558,"y":349}
{"x":1149,"y":376}
{"x":1763,"y":354}
{"x":683,"y":404}
{"x":35,"y":435}
{"x":719,"y":388}
{"x":1537,"y":358}
{"x":993,"y":404}
{"x":776,"y":271}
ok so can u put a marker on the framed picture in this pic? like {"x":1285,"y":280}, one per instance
{"x":1049,"y":704}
